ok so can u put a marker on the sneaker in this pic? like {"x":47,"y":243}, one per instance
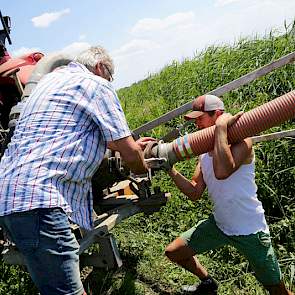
{"x":206,"y":287}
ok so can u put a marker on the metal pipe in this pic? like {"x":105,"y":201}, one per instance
{"x":289,"y":58}
{"x":273,"y":136}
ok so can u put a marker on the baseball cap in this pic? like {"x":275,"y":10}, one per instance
{"x":204,"y":103}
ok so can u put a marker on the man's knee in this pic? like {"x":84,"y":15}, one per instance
{"x":170,"y":251}
{"x":178,"y":250}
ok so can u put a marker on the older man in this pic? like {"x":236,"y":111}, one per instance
{"x":45,"y":173}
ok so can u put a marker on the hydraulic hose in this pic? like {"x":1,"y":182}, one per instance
{"x":43,"y":67}
{"x":270,"y":114}
{"x":46,"y":65}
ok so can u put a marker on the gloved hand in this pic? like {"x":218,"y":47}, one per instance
{"x":158,"y":164}
{"x":167,"y":166}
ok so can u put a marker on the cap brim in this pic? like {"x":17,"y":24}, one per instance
{"x":193,"y":115}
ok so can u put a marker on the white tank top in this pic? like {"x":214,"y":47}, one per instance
{"x":236,"y":210}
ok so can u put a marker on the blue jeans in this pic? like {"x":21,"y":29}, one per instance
{"x":49,"y":247}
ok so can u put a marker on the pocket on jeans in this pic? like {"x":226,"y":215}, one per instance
{"x":24,"y":230}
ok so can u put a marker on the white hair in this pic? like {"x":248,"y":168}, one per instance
{"x":94,"y":55}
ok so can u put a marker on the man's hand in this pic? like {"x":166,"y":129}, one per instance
{"x":131,"y":153}
{"x":228,"y":158}
{"x":144,"y":141}
{"x":227,"y":119}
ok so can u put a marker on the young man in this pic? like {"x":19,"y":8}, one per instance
{"x":238,"y":218}
{"x":45,"y":173}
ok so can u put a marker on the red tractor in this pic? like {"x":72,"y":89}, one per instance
{"x":14,"y":74}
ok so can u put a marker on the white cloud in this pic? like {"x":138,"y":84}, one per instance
{"x":219,"y":3}
{"x":75,"y":48}
{"x":24,"y":50}
{"x":178,"y":36}
{"x":82,"y":37}
{"x":150,"y":25}
{"x":45,"y":19}
{"x":158,"y":42}
{"x":71,"y":50}
{"x":169,"y":33}
{"x":135,"y":47}
{"x":257,"y":18}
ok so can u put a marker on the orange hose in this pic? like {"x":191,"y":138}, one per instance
{"x":270,"y":114}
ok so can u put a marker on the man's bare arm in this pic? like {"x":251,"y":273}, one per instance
{"x":227,"y":159}
{"x":131,"y":153}
{"x":192,"y":189}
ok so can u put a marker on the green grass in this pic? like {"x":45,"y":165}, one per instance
{"x":142,"y":239}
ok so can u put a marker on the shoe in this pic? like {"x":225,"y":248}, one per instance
{"x":206,"y":287}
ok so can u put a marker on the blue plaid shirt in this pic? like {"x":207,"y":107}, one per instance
{"x":59,"y":142}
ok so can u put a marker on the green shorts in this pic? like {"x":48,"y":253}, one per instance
{"x":257,"y":248}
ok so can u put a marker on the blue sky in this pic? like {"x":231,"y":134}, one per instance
{"x":142,"y":36}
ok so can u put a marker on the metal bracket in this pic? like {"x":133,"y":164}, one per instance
{"x":11,"y":255}
{"x":108,"y":256}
